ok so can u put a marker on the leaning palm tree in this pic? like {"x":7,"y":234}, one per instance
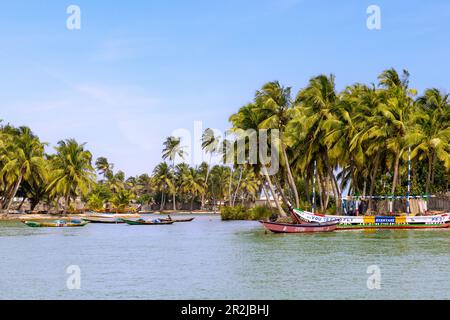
{"x":275,"y":105}
{"x":72,"y":170}
{"x":173,"y":149}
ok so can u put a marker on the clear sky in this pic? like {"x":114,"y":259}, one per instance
{"x":138,"y":70}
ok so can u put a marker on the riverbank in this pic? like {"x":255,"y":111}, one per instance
{"x":13,"y":217}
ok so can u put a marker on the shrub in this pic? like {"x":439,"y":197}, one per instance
{"x":242,"y":213}
{"x":260,"y":213}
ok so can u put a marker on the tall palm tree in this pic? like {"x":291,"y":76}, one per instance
{"x":72,"y":170}
{"x":210,"y":144}
{"x":315,"y":105}
{"x":163,"y":180}
{"x":275,"y":104}
{"x":173,"y":149}
{"x":430,"y":135}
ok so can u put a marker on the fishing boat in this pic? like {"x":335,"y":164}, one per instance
{"x":178,"y":220}
{"x":56,"y":223}
{"x":277,"y":227}
{"x":103,"y":220}
{"x":140,"y":222}
{"x":378,"y":222}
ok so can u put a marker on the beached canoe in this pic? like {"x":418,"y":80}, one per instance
{"x":277,"y":227}
{"x":142,"y":222}
{"x":103,"y":220}
{"x":178,"y":220}
{"x":56,"y":223}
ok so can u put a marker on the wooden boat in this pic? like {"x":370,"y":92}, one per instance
{"x":299,"y":228}
{"x":103,"y":220}
{"x":143,"y":222}
{"x":178,"y":220}
{"x":56,"y":223}
{"x":378,"y":222}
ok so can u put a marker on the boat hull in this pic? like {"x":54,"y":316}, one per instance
{"x":379,"y":222}
{"x":299,"y":228}
{"x":103,"y":220}
{"x":55,"y":224}
{"x":178,"y":220}
{"x":146,"y":223}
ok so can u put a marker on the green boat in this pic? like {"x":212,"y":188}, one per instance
{"x":56,"y":224}
{"x":142,"y":222}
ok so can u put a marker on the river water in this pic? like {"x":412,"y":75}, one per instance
{"x":211,"y":259}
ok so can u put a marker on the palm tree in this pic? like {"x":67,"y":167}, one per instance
{"x":210,"y":143}
{"x":397,"y":106}
{"x":72,"y":171}
{"x":315,"y":105}
{"x":22,"y":160}
{"x":275,"y":104}
{"x":172,"y":149}
{"x":431,"y":134}
{"x":163,"y":180}
{"x":104,"y":167}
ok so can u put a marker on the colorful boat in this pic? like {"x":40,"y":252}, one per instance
{"x":103,"y":220}
{"x":378,"y":222}
{"x":277,"y":227}
{"x":56,"y":223}
{"x":142,"y":222}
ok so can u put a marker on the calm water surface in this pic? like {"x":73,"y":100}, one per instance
{"x":211,"y":259}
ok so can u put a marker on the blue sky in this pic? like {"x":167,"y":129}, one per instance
{"x":138,"y":70}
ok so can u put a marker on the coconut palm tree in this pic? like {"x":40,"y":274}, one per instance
{"x":173,"y":149}
{"x":275,"y":105}
{"x":22,"y":159}
{"x":163,"y":180}
{"x":72,"y":170}
{"x":430,"y":135}
{"x":210,"y":144}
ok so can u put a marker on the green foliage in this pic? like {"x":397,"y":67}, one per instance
{"x":242,"y":213}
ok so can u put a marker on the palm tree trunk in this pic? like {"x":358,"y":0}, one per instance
{"x":372,"y":182}
{"x":206,"y":182}
{"x":274,"y":195}
{"x":237,"y":187}
{"x":394,"y":181}
{"x":430,"y":167}
{"x":19,"y":180}
{"x":230,"y":186}
{"x":289,"y":172}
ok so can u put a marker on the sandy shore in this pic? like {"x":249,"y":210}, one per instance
{"x":9,"y":217}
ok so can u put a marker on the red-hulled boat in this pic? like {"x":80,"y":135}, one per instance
{"x":277,"y":227}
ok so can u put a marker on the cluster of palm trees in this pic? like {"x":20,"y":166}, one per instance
{"x":27,"y":172}
{"x":356,"y":140}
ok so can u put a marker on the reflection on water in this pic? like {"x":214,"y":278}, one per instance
{"x":210,"y":259}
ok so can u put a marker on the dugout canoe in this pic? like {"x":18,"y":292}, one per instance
{"x":56,"y":224}
{"x":142,"y":222}
{"x":277,"y":227}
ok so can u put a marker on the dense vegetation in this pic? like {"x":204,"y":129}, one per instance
{"x":355,"y":140}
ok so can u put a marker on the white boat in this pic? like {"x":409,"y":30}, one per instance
{"x":378,"y":222}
